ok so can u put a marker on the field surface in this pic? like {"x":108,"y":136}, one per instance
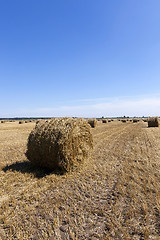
{"x":116,"y":195}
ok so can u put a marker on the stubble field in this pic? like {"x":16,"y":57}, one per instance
{"x":116,"y":195}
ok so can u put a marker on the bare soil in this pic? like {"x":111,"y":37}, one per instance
{"x":116,"y":195}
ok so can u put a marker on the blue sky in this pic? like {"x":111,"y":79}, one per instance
{"x":83,"y":58}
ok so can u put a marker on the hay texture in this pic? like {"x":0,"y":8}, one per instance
{"x":92,"y":122}
{"x":62,"y":143}
{"x":153,"y":122}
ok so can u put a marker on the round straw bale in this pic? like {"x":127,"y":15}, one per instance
{"x":92,"y":122}
{"x":153,"y":122}
{"x":135,"y":120}
{"x":22,"y":121}
{"x":124,"y":120}
{"x":62,"y":143}
{"x":104,"y":121}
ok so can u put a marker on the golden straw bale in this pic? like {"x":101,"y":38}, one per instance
{"x":22,"y":121}
{"x":153,"y":122}
{"x":92,"y":122}
{"x":124,"y":120}
{"x":62,"y":143}
{"x":104,"y":121}
{"x":135,"y":120}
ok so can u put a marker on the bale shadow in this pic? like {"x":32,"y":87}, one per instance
{"x":28,"y":167}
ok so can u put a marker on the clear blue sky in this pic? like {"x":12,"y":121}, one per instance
{"x":79,"y":58}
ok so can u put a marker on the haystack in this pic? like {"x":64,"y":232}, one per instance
{"x":135,"y":120}
{"x":92,"y":122}
{"x":124,"y":120}
{"x":153,"y":122}
{"x":62,"y":143}
{"x":104,"y":121}
{"x":22,"y":121}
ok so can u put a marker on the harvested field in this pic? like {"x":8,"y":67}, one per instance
{"x":116,"y":195}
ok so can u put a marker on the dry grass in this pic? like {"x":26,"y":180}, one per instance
{"x":115,"y":196}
